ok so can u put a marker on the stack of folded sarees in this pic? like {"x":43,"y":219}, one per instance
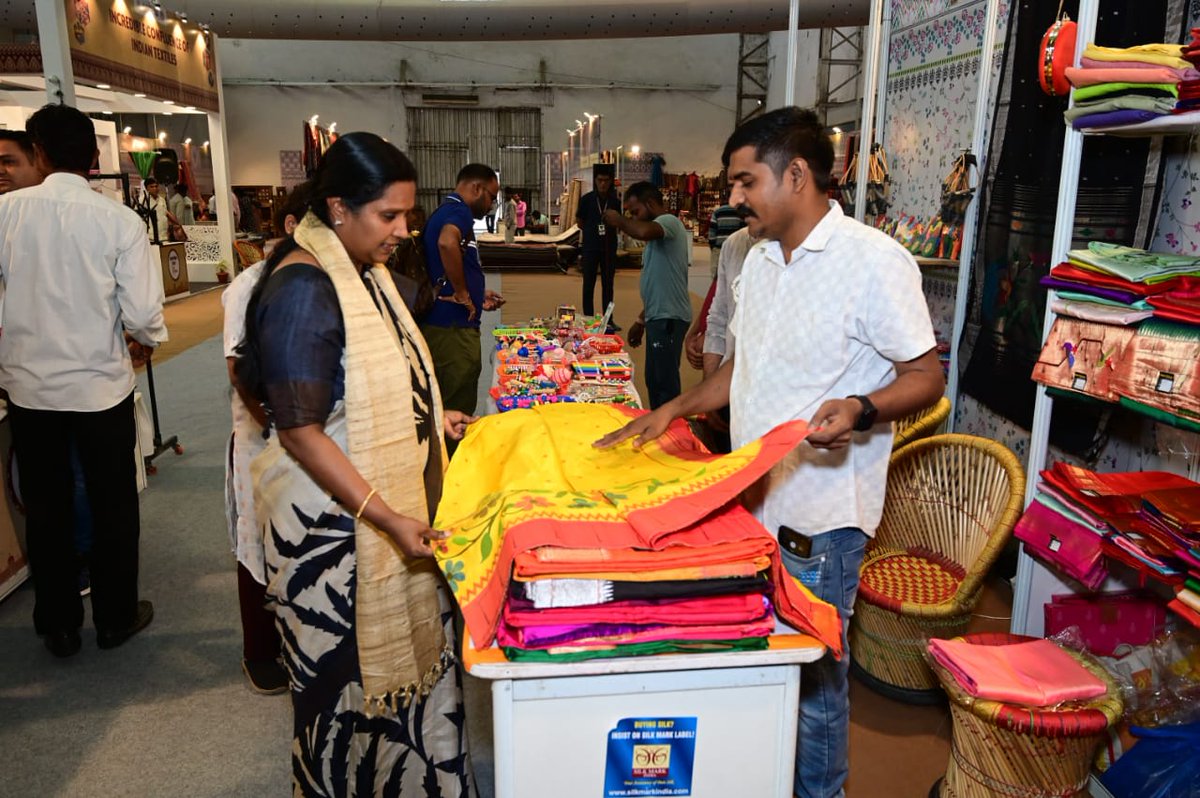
{"x":1113,"y":284}
{"x":559,"y":551}
{"x":1149,"y":85}
{"x":1150,"y":521}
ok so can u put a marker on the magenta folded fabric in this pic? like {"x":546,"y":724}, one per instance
{"x":677,"y":612}
{"x":1074,"y":548}
{"x":1034,"y":674}
{"x":607,"y":635}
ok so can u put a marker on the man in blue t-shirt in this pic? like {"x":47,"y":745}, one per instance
{"x":451,"y":328}
{"x":666,"y":305}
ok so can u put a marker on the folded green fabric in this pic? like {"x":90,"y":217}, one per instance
{"x":1159,"y":105}
{"x":1134,"y":265}
{"x":1170,"y":419}
{"x":639,"y":650}
{"x":1102,"y":89}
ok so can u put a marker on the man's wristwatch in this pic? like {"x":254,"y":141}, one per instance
{"x":866,"y":419}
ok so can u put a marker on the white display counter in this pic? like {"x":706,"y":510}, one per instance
{"x":708,"y":725}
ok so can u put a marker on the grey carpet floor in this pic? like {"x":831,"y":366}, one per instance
{"x":168,"y":713}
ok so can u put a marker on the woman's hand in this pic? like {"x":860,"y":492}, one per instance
{"x":412,"y":536}
{"x":456,"y":422}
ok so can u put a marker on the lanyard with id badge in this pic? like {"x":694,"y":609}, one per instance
{"x":602,"y":228}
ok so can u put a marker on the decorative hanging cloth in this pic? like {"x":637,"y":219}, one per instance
{"x":528,"y":479}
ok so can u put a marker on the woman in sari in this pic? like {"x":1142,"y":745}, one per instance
{"x":346,"y":491}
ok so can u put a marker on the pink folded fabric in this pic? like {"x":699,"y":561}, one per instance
{"x":1181,"y":73}
{"x":1091,"y":76}
{"x":678,"y":612}
{"x":605,"y":636}
{"x":1034,"y":674}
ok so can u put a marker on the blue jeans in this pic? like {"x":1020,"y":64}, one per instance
{"x":664,"y":348}
{"x":823,"y":743}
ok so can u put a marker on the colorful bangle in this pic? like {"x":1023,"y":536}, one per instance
{"x":363,"y":506}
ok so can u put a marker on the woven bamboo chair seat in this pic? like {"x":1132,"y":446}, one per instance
{"x":951,"y":504}
{"x":916,"y":576}
{"x":1034,"y":752}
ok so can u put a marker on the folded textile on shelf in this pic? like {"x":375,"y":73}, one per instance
{"x":1170,"y":55}
{"x":680,"y":612}
{"x":1124,"y":88}
{"x":1188,"y":72}
{"x":615,"y":634}
{"x":1153,"y":105}
{"x":1077,"y":550}
{"x":580,"y":653}
{"x":1036,"y":673}
{"x":1179,"y":123}
{"x":1090,"y":74}
{"x":1099,"y":312}
{"x":1135,"y":265}
{"x":528,"y":489}
{"x":1108,"y":119}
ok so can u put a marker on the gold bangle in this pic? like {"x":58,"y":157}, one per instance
{"x":371,"y":493}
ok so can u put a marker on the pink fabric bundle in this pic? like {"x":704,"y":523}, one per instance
{"x":609,"y":635}
{"x":1034,"y":674}
{"x":1177,"y":74}
{"x":676,"y":612}
{"x":1092,"y":76}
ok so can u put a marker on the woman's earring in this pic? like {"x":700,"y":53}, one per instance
{"x":337,"y":222}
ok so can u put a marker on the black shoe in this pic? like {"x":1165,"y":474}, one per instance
{"x":111,"y":638}
{"x":266,"y":677}
{"x":613,"y":327}
{"x":63,"y":643}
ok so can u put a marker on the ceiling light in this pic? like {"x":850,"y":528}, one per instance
{"x":127,"y":130}
{"x":162,"y":135}
{"x":634,"y":149}
{"x":837,"y":131}
{"x":333,"y":127}
{"x":168,"y":113}
{"x":103,"y":86}
{"x":570,"y":132}
{"x":577,"y":122}
{"x":205,"y":145}
{"x":168,"y":102}
{"x":107,"y":113}
{"x":189,"y":108}
{"x":139,"y":95}
{"x":313,"y":119}
{"x":187,"y":141}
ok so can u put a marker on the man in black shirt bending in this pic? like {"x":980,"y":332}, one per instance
{"x":599,"y":240}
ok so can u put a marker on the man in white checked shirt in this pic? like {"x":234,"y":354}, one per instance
{"x":830,"y":326}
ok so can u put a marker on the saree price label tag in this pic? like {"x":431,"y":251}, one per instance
{"x":650,"y":757}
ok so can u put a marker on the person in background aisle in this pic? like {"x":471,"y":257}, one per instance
{"x":181,"y":204}
{"x":831,"y":326}
{"x":666,"y":306}
{"x":599,"y":251}
{"x":76,"y":268}
{"x":247,"y":217}
{"x":510,"y":217}
{"x":522,"y":208}
{"x":346,"y":489}
{"x":490,"y":217}
{"x":261,"y":647}
{"x":452,"y":327}
{"x":160,"y":225}
{"x":724,"y":222}
{"x":538,"y":222}
{"x":17,"y":167}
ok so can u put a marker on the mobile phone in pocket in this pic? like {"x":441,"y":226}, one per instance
{"x":795,"y":543}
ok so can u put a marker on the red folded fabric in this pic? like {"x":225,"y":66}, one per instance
{"x":1074,"y":274}
{"x":1111,"y":495}
{"x":1034,"y":674}
{"x":1177,"y":306}
{"x":1185,"y":612}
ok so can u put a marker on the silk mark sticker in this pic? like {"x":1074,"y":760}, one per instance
{"x":650,"y":757}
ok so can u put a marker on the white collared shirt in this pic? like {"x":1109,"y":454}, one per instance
{"x":827,"y":324}
{"x":75,"y":267}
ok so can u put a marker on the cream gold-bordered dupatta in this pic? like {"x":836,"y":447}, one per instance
{"x":402,"y":648}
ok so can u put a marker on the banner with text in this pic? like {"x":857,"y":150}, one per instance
{"x":126,"y":46}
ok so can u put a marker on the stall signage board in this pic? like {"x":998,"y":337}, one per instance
{"x":650,"y":757}
{"x":115,"y":43}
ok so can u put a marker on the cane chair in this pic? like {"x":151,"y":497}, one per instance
{"x":951,"y":504}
